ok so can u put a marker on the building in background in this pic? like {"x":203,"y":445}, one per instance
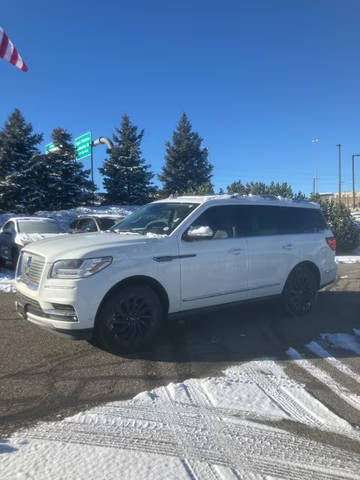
{"x":346,"y":198}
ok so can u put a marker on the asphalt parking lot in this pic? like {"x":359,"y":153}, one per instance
{"x":47,"y":377}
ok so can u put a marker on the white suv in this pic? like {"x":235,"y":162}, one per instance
{"x":172,"y":256}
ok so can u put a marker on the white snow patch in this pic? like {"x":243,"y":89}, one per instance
{"x":194,"y":429}
{"x":342,"y":340}
{"x":7,"y":281}
{"x":356,"y":331}
{"x":347,"y":259}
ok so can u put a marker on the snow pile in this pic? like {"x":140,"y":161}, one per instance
{"x":226,"y":428}
{"x":347,"y":259}
{"x":353,"y":257}
{"x":7,"y":278}
{"x":65,"y":217}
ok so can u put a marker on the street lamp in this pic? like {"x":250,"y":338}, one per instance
{"x":353,"y":175}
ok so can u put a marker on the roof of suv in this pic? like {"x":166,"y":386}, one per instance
{"x":243,"y":199}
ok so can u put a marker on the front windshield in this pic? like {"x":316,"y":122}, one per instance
{"x":157,"y":218}
{"x":38,"y":227}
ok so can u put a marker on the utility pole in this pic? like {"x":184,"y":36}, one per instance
{"x":353,"y":176}
{"x":315,"y":179}
{"x":339,"y":147}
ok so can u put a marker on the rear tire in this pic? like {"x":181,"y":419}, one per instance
{"x":300,"y":291}
{"x":129,"y":319}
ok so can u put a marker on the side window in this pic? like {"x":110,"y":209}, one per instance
{"x":264,"y":220}
{"x":86,"y":225}
{"x":74,"y":224}
{"x":268,"y":220}
{"x":89,"y":225}
{"x":310,"y":220}
{"x":106,"y":223}
{"x":221,"y":220}
{"x":9,"y":227}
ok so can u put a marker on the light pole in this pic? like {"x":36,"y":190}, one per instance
{"x":315,"y":179}
{"x":353,"y":175}
{"x":339,"y":147}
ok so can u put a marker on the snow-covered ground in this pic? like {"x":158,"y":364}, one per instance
{"x":240,"y":426}
{"x":64,"y":217}
{"x":6,"y":281}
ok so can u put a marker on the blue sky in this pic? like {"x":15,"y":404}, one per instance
{"x":259,"y":79}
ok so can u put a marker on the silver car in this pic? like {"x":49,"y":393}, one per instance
{"x":20,"y":231}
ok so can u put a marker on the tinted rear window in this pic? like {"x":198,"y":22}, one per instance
{"x":268,"y":220}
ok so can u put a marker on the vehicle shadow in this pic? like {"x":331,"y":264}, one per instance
{"x":256,"y":330}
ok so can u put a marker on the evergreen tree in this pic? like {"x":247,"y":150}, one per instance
{"x":18,"y":146}
{"x":187,"y":164}
{"x":203,"y":189}
{"x":65,"y":181}
{"x":127,"y":176}
{"x":260,"y":188}
{"x":236,"y":187}
{"x":342,"y":225}
{"x":56,"y":180}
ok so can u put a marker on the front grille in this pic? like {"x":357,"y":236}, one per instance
{"x":30,"y":268}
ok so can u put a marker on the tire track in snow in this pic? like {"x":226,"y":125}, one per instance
{"x":203,"y":437}
{"x":318,"y":350}
{"x":341,"y":391}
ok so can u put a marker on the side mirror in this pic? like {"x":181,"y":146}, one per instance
{"x":199,"y":232}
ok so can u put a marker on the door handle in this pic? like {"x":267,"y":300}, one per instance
{"x":289,"y":246}
{"x":235,"y":251}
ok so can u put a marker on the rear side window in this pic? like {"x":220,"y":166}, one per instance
{"x":268,"y":220}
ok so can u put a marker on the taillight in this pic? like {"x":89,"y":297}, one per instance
{"x":331,"y":241}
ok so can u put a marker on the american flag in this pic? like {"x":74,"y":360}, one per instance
{"x":9,"y":52}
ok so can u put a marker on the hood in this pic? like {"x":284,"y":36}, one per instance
{"x":85,"y":245}
{"x":26,"y":238}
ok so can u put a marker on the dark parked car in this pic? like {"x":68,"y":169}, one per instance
{"x":94,"y":223}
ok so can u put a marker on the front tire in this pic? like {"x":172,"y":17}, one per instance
{"x":129,"y":319}
{"x":300,"y":291}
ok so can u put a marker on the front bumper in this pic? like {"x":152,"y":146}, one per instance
{"x":29,"y":309}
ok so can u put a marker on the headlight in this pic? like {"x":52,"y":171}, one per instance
{"x":81,"y":268}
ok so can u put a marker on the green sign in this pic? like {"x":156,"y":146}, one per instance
{"x":83,"y":146}
{"x":50,"y":147}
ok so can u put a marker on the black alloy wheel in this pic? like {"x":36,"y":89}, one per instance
{"x":129,"y":319}
{"x":299,"y":294}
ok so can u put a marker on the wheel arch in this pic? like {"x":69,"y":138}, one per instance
{"x":312,"y":266}
{"x":139,"y":279}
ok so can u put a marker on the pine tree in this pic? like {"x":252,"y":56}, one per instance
{"x":203,"y":189}
{"x":65,"y":182}
{"x":56,"y":180}
{"x":127,"y":176}
{"x":342,"y":225}
{"x":187,"y":165}
{"x":236,"y":187}
{"x":18,"y":146}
